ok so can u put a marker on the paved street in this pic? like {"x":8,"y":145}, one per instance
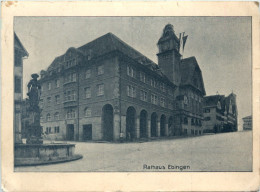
{"x":221,"y":152}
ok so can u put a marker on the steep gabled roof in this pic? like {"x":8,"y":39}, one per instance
{"x":191,"y":74}
{"x":19,"y":45}
{"x":108,"y":43}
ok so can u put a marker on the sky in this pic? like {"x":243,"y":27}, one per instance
{"x":221,"y":45}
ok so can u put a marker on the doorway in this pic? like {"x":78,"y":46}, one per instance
{"x":107,"y":122}
{"x":87,"y":132}
{"x":70,"y":132}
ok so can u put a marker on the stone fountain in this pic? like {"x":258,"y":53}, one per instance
{"x":35,"y":151}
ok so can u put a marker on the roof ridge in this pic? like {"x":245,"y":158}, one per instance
{"x":19,"y":41}
{"x":121,"y":41}
{"x":98,"y":38}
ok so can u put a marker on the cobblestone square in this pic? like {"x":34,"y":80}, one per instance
{"x":220,"y":152}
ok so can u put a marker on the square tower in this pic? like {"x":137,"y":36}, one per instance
{"x":169,"y":56}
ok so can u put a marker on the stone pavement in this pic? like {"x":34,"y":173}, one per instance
{"x":220,"y":152}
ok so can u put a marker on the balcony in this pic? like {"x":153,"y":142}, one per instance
{"x":71,"y":103}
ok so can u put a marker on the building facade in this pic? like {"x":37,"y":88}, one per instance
{"x":19,"y":54}
{"x":220,"y":113}
{"x":106,"y":90}
{"x":247,"y":123}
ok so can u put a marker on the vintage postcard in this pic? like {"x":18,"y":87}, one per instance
{"x":100,"y":96}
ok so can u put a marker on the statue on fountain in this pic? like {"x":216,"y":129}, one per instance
{"x":34,"y":131}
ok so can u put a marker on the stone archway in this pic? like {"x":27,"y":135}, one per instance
{"x":130,"y":123}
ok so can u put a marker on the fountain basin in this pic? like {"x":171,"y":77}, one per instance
{"x":40,"y":154}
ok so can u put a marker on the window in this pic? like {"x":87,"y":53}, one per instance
{"x":207,"y":118}
{"x":185,"y":132}
{"x":71,"y":114}
{"x":153,"y":83}
{"x":162,"y":87}
{"x":142,"y":77}
{"x":88,"y":74}
{"x":70,"y":96}
{"x":100,"y":89}
{"x":154,"y":99}
{"x":48,"y":130}
{"x":162,"y":102}
{"x":18,"y":85}
{"x":48,"y":117}
{"x":192,"y":132}
{"x":100,"y":69}
{"x":57,"y":99}
{"x":49,"y":100}
{"x":130,"y":71}
{"x":57,"y":83}
{"x":87,"y":112}
{"x":192,"y":122}
{"x":49,"y":86}
{"x":56,"y":129}
{"x":185,"y":120}
{"x":72,"y":77}
{"x":206,"y":110}
{"x":71,"y":63}
{"x":143,"y":95}
{"x":57,"y":116}
{"x":131,"y":91}
{"x":87,"y":92}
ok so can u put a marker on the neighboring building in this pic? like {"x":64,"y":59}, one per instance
{"x":231,"y":113}
{"x":220,"y":113}
{"x":247,"y":123}
{"x":19,"y":54}
{"x":106,"y":89}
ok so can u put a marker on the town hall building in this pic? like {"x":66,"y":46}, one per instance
{"x":107,"y":90}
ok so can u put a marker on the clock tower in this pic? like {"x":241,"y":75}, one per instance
{"x":169,"y":57}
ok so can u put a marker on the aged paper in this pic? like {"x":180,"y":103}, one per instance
{"x":224,"y":35}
